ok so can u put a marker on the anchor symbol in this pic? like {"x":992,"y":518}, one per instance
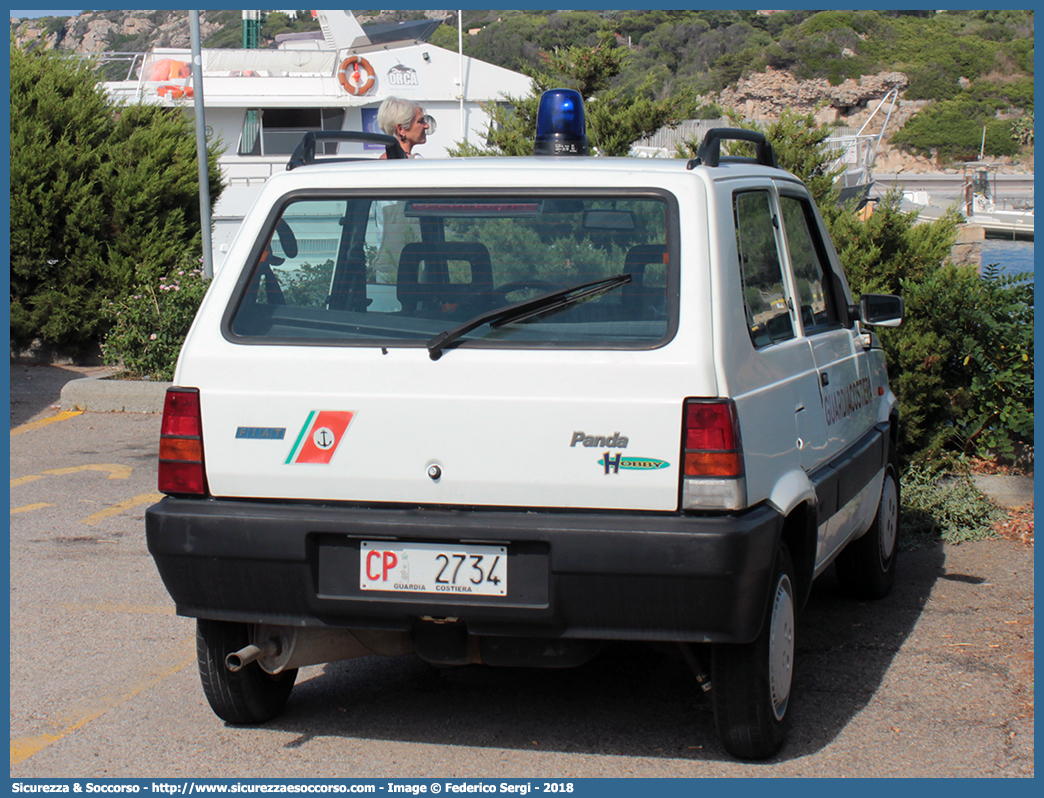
{"x":323,"y":438}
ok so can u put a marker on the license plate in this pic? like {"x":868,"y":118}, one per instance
{"x":433,"y":568}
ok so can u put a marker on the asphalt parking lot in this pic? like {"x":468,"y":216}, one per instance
{"x":936,"y":680}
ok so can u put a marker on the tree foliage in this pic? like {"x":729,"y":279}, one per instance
{"x":672,"y":52}
{"x":516,"y":39}
{"x":616,"y":117}
{"x":708,"y":50}
{"x":102,"y":198}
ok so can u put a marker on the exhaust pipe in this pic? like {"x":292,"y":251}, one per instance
{"x":238,"y":660}
{"x":279,"y":648}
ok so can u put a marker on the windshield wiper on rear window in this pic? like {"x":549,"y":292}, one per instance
{"x":524,"y":310}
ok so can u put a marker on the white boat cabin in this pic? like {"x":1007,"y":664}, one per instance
{"x":259,"y":102}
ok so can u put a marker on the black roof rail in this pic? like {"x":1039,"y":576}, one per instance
{"x":304,"y":154}
{"x":709,"y":152}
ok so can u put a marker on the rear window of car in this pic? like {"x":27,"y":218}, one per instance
{"x":398,"y":270}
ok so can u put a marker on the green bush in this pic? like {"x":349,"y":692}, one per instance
{"x":100,"y":196}
{"x":150,"y":325}
{"x":888,"y":254}
{"x":997,"y":337}
{"x":966,"y":361}
{"x":933,"y":81}
{"x":1022,"y":130}
{"x":939,"y":505}
{"x":954,"y":127}
{"x":815,"y":49}
{"x":962,"y":363}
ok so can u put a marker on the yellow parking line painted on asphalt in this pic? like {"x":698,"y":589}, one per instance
{"x":25,"y":508}
{"x":116,"y":509}
{"x":22,"y":480}
{"x":23,"y":748}
{"x":116,"y":470}
{"x":43,"y":422}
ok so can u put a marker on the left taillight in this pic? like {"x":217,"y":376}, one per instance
{"x":181,"y":469}
{"x":713,"y":475}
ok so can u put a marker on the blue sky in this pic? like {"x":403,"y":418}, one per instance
{"x":38,"y":13}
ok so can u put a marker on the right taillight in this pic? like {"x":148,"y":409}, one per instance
{"x":181,"y":468}
{"x":712,"y":472}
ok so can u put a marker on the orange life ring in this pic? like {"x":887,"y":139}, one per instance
{"x":355,"y":63}
{"x":175,"y":92}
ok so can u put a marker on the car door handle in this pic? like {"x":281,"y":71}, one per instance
{"x":824,"y":379}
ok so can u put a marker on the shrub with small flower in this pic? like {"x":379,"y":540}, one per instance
{"x":149,"y":326}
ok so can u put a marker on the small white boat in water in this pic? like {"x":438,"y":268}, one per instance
{"x":978,"y":205}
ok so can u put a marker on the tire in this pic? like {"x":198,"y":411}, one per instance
{"x":244,"y":697}
{"x":751,"y":682}
{"x":866,"y":566}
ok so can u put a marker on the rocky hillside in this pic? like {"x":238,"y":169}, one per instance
{"x":132,"y":31}
{"x":99,"y":31}
{"x":764,"y":95}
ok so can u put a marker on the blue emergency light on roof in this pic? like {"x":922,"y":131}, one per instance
{"x":561,"y":128}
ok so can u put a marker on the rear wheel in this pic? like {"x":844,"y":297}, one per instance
{"x":751,"y":682}
{"x":249,"y":695}
{"x":866,"y":566}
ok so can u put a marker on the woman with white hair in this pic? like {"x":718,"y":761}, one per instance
{"x":407,"y":122}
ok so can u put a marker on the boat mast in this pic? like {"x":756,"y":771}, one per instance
{"x":252,"y":29}
{"x":460,"y":61}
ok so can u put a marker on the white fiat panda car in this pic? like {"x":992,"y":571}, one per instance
{"x":505,"y":410}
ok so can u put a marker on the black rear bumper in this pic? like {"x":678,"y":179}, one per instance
{"x":611,"y":576}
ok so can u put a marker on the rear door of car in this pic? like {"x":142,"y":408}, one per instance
{"x":846,"y":411}
{"x":775,"y":386}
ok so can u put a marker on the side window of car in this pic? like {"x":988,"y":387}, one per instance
{"x":292,"y":271}
{"x":815,"y":290}
{"x":761,"y":271}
